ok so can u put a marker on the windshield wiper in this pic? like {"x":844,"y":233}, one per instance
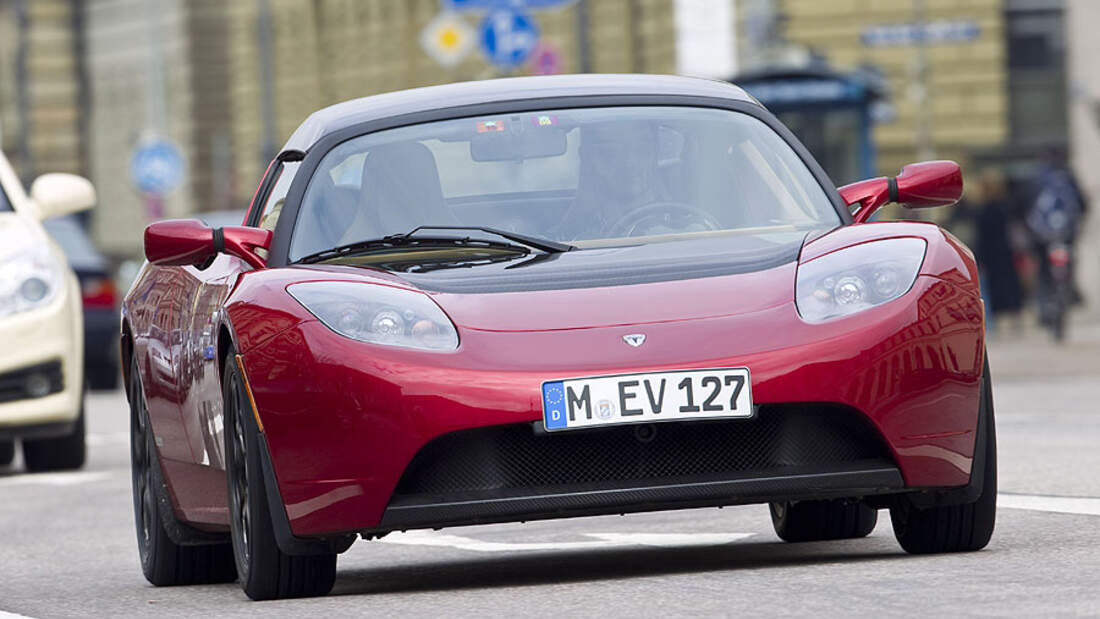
{"x":406,"y":240}
{"x":546,"y":245}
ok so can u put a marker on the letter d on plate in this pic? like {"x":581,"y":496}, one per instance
{"x":553,"y":405}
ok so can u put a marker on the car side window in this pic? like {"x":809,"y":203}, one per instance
{"x":273,"y":203}
{"x":4,"y":204}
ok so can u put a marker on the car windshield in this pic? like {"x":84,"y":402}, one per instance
{"x":591,"y":177}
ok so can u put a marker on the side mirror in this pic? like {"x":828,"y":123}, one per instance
{"x":180,"y":242}
{"x":920,"y":185}
{"x":930,"y":184}
{"x":61,"y":194}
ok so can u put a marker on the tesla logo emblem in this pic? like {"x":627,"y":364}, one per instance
{"x":634,"y":339}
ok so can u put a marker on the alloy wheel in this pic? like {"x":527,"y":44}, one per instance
{"x":239,"y":498}
{"x":140,"y":470}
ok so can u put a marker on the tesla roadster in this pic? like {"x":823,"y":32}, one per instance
{"x":551,"y":297}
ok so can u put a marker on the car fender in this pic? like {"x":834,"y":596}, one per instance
{"x":946,"y":257}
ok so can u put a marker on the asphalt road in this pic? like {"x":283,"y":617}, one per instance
{"x":68,"y":544}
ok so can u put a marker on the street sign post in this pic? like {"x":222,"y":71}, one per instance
{"x":447,"y":38}
{"x":156,"y":168}
{"x":508,"y":37}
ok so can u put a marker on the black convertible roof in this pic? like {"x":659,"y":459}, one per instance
{"x":356,"y":111}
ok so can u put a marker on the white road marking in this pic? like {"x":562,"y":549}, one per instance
{"x":671,"y":540}
{"x":603,"y":540}
{"x":1061,"y":504}
{"x":56,"y":479}
{"x":1068,"y":505}
{"x":6,"y":615}
{"x":107,"y":438}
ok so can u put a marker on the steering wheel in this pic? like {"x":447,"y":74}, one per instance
{"x":674,"y":215}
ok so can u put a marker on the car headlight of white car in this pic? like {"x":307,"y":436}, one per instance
{"x":30,"y":276}
{"x":378,"y":314}
{"x":857,"y":278}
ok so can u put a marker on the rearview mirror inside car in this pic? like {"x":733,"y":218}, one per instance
{"x":533,"y":143}
{"x":180,"y":242}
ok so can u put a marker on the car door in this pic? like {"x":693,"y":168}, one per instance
{"x":157,"y":320}
{"x":207,"y":289}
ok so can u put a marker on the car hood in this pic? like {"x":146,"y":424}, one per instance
{"x":612,"y":286}
{"x":581,"y":308}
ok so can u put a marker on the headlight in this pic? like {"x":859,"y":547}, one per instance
{"x":857,"y":278}
{"x":30,"y":277}
{"x":378,"y":314}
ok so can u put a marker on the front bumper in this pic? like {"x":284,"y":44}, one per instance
{"x":519,"y":472}
{"x":344,"y":420}
{"x":39,"y":338}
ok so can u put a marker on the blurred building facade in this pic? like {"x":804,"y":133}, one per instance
{"x":949,"y":96}
{"x":42,"y":87}
{"x":970,"y":80}
{"x":179,"y":50}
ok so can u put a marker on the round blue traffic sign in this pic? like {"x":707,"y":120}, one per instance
{"x":508,"y":36}
{"x":157,"y":167}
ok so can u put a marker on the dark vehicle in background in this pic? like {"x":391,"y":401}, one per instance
{"x":99,"y":297}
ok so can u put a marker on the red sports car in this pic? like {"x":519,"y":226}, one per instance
{"x":543,"y":298}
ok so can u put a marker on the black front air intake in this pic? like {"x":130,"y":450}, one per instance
{"x":31,"y":382}
{"x":501,"y":460}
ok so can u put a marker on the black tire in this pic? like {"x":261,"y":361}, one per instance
{"x":64,"y":453}
{"x":813,"y":521}
{"x":955,"y":528}
{"x":266,"y":572}
{"x":164,"y":562}
{"x":7,"y":452}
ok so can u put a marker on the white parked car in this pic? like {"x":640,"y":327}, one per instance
{"x":41,"y":324}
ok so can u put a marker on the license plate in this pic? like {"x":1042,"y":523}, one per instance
{"x":646,"y":398}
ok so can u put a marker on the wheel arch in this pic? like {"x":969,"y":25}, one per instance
{"x":226,"y":343}
{"x":126,"y":352}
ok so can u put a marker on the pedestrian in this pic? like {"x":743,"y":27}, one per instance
{"x":993,"y":247}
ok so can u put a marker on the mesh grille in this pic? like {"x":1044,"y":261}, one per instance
{"x":515,"y":456}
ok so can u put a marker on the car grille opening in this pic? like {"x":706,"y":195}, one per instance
{"x":499,"y":460}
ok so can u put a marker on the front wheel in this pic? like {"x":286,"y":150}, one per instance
{"x":955,"y":528}
{"x":265,"y":571}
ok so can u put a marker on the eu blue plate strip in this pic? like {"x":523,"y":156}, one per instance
{"x":553,"y":405}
